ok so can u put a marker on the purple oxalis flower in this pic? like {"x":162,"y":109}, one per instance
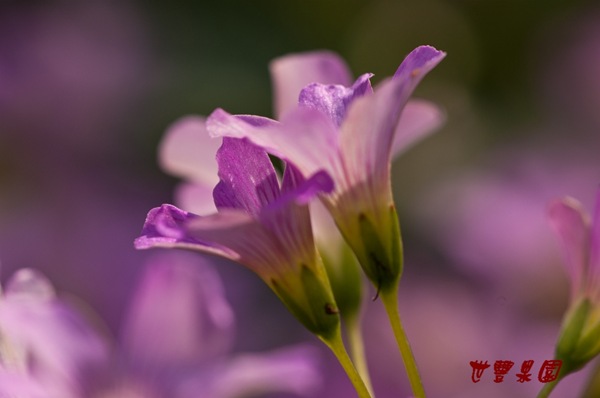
{"x":260,"y":224}
{"x":175,"y":342}
{"x":348,"y":132}
{"x":580,"y":238}
{"x":579,"y":341}
{"x":188,"y":152}
{"x":177,"y":338}
{"x":46,"y":348}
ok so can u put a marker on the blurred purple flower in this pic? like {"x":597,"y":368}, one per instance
{"x":349,"y":133}
{"x":46,"y":348}
{"x":491,"y":222}
{"x":177,"y":337}
{"x":580,"y":239}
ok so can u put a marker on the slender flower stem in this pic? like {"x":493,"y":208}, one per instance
{"x":547,"y":389}
{"x":336,"y":345}
{"x":390,"y":301}
{"x":357,"y":349}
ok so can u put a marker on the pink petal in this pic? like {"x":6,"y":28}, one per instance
{"x":571,"y":224}
{"x":167,"y":226}
{"x":187,"y":151}
{"x":594,"y":267}
{"x":333,"y":100}
{"x":28,"y":283}
{"x":178,"y":314}
{"x":418,"y":119}
{"x":367,"y":133}
{"x":196,"y":198}
{"x":288,"y":370}
{"x":327,"y":235}
{"x":247,"y":177}
{"x":47,"y":336}
{"x":305,"y":137}
{"x":291,"y":73}
{"x":241,"y":238}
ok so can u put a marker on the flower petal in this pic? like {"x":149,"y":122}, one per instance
{"x":333,"y":100}
{"x":167,"y":226}
{"x":594,"y":265}
{"x":288,"y":219}
{"x":187,"y":151}
{"x":49,"y":339}
{"x":243,"y":238}
{"x":288,"y":370}
{"x":28,"y":283}
{"x":301,"y":190}
{"x":571,"y":224}
{"x":418,"y":119}
{"x":164,"y":227}
{"x":178,"y":315}
{"x":291,"y":73}
{"x":327,"y":235}
{"x":416,"y":65}
{"x":305,"y":137}
{"x":367,"y":133}
{"x":196,"y":198}
{"x":248,"y":178}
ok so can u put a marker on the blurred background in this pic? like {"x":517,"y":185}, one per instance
{"x":88,"y":88}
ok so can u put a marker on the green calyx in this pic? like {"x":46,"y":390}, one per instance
{"x":579,"y":340}
{"x":381,"y":258}
{"x":311,"y":302}
{"x":344,"y":277}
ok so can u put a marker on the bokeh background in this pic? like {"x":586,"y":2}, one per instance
{"x":88,"y":88}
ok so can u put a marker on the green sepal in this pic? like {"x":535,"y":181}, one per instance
{"x":571,"y":331}
{"x":321,"y":300}
{"x":589,"y":346}
{"x":314,"y":306}
{"x":346,"y":283}
{"x":382,"y":266}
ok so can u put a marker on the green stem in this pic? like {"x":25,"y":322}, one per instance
{"x":336,"y":345}
{"x":357,"y":349}
{"x":547,"y":389}
{"x":390,"y":302}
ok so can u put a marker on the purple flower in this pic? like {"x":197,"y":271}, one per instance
{"x":187,"y":151}
{"x":580,"y":238}
{"x":579,"y":340}
{"x":177,"y":336}
{"x":348,"y":131}
{"x":46,"y":348}
{"x":260,"y":224}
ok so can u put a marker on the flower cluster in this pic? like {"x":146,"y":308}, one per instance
{"x":303,"y":200}
{"x":336,"y":140}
